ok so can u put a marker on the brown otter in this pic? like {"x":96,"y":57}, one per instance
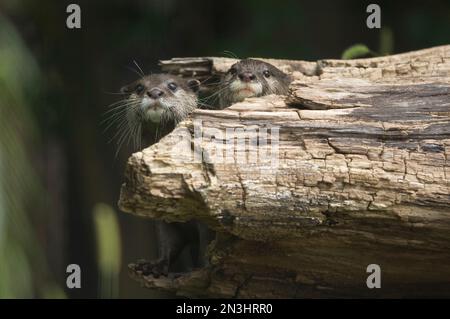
{"x":251,"y":78}
{"x":160,"y":101}
{"x":157,"y":100}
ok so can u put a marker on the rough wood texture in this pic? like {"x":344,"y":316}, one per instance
{"x":358,"y":175}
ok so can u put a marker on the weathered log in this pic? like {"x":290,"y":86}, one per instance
{"x":355,"y":171}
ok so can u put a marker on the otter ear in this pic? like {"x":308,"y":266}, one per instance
{"x":289,"y":78}
{"x":126,"y":89}
{"x":193,"y":84}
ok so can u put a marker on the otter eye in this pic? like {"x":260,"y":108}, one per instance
{"x":266,"y":73}
{"x":172,"y":86}
{"x":233,"y":71}
{"x":139,"y":88}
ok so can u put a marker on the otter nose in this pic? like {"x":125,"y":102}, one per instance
{"x":246,"y":76}
{"x":155,"y":93}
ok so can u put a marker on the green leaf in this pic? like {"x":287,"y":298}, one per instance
{"x":108,"y":249}
{"x":356,"y":51}
{"x":386,"y":41}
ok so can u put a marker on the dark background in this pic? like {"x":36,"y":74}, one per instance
{"x":50,"y":122}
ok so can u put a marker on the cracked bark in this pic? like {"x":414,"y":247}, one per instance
{"x":361,"y":177}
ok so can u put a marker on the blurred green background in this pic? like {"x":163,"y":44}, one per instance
{"x":59,"y":177}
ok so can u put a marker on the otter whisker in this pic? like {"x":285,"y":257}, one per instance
{"x":134,"y":71}
{"x":118,"y":109}
{"x":211,"y":101}
{"x":142,"y":72}
{"x":114,"y":93}
{"x":115,"y":117}
{"x":210,"y":84}
{"x":216,"y":94}
{"x":111,"y":123}
{"x":122,"y":124}
{"x":134,"y":133}
{"x":230,"y":54}
{"x":138,"y":137}
{"x":119,"y":104}
{"x":127,"y":133}
{"x":120,"y":142}
{"x":206,"y":83}
{"x":122,"y":127}
{"x":121,"y":137}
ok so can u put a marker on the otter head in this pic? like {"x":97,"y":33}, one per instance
{"x":161,"y":98}
{"x":250,"y":78}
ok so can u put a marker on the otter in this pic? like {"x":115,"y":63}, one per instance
{"x":252,"y":78}
{"x":159,"y":102}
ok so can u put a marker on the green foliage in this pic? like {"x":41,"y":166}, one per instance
{"x":108,"y":250}
{"x":356,"y":51}
{"x":23,"y":271}
{"x":386,"y":41}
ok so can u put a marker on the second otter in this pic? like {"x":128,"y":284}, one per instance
{"x":251,"y":78}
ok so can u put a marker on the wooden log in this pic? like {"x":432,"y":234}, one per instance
{"x":350,"y":169}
